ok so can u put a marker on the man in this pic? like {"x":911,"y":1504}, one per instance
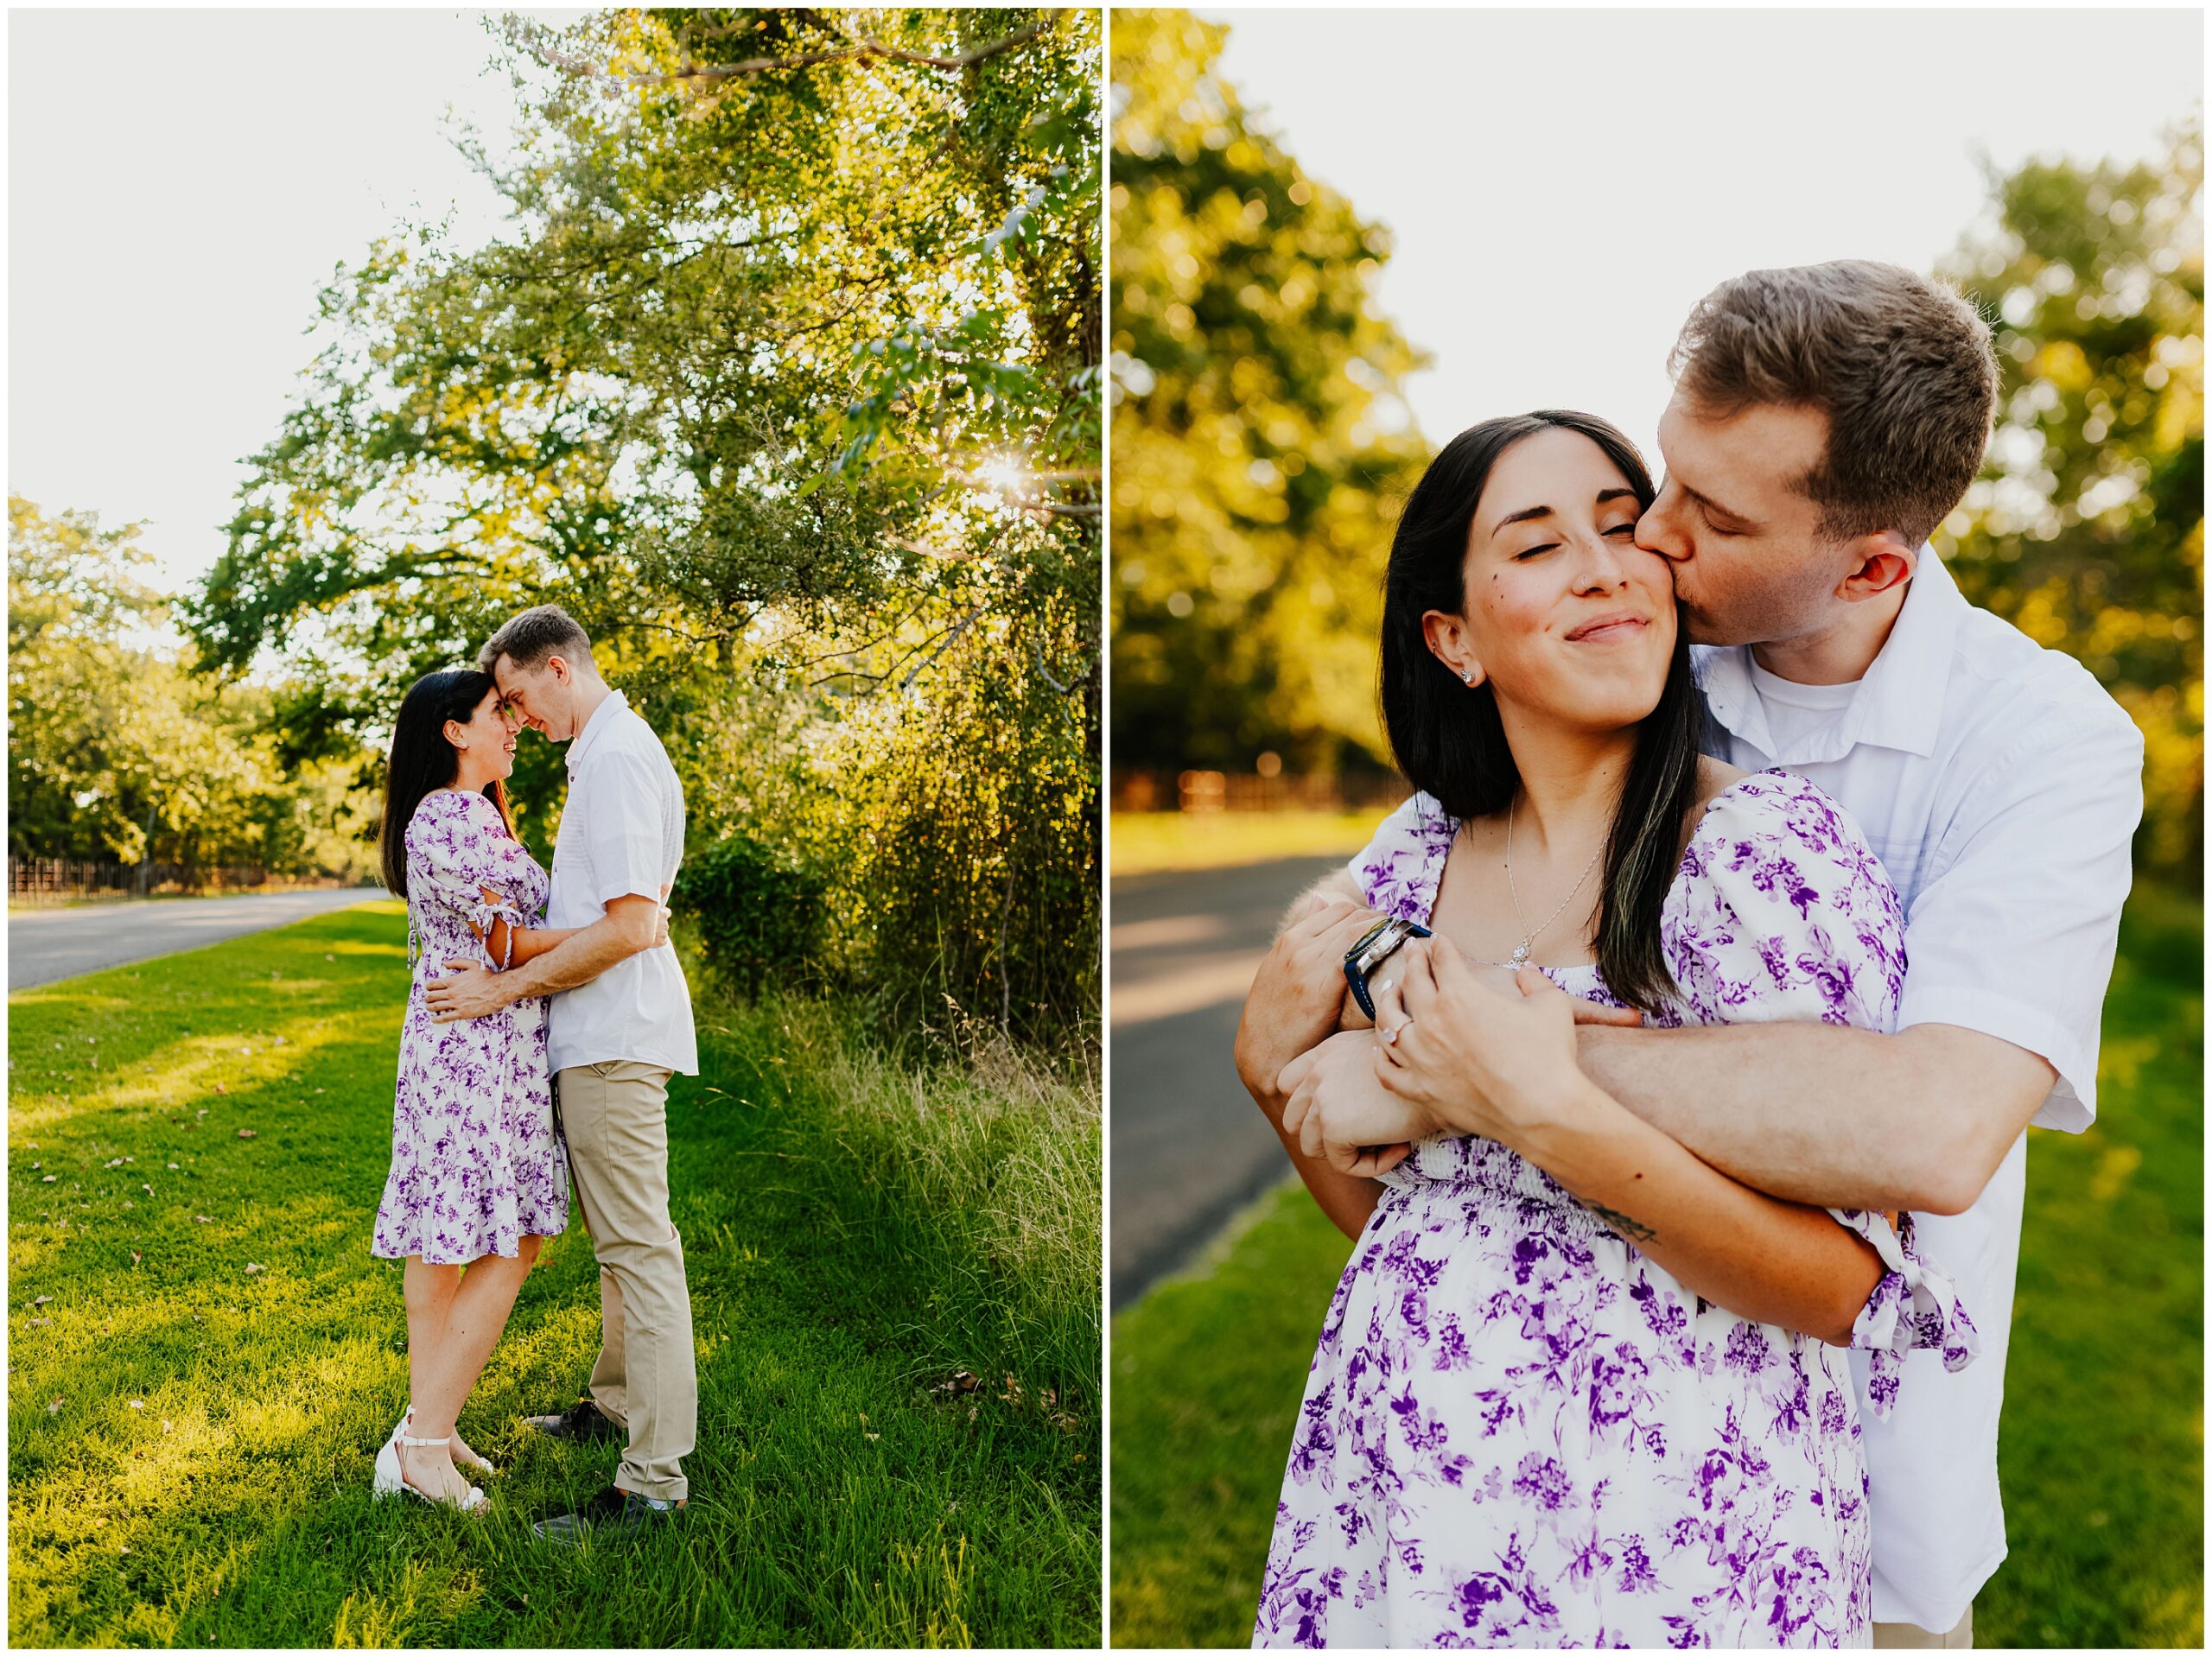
{"x":619,"y":1026}
{"x":1825,"y":420}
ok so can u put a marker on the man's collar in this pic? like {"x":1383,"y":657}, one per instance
{"x":1899,"y":702}
{"x":596,"y":726}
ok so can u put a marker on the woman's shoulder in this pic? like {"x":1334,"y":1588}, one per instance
{"x":1774,"y":806}
{"x":1398,"y":868}
{"x":449,"y":809}
{"x":1774,"y":838}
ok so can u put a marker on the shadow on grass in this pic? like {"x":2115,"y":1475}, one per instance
{"x":837,"y":1500}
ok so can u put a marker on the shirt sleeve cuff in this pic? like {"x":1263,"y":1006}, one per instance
{"x":2072,"y":1104}
{"x":639,"y":883}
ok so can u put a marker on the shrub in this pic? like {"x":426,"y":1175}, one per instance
{"x":760,"y":914}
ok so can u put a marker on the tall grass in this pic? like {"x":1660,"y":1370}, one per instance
{"x":859,"y":1230}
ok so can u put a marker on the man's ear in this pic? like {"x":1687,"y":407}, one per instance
{"x":1448,"y":643}
{"x":1878,"y":563}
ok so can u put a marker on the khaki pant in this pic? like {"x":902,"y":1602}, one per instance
{"x":615,"y":1119}
{"x":1908,"y":1633}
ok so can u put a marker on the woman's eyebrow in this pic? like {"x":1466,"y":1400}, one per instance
{"x":1528,"y":512}
{"x":1524,"y":515}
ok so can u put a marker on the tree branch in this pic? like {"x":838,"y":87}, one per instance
{"x":864,"y":47}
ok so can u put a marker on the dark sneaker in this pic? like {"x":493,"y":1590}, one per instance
{"x":581,"y":1423}
{"x":609,"y":1514}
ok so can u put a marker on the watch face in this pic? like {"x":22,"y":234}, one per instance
{"x":1377,"y":944}
{"x":1360,"y":953}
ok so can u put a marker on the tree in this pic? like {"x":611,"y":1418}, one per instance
{"x":1261,"y":446}
{"x":786,"y":384}
{"x":116,"y":750}
{"x":2087,"y":527}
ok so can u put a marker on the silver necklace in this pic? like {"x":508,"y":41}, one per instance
{"x":1528,"y":937}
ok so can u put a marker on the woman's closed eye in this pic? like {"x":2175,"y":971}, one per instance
{"x":1627,"y":528}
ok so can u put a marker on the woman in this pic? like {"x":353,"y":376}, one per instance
{"x":479,"y":1176}
{"x":1565,"y":1394}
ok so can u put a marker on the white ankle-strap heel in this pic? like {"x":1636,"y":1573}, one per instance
{"x":472,"y":1461}
{"x":392,"y":1479}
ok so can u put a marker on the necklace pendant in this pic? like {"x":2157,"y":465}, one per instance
{"x":1521,"y":954}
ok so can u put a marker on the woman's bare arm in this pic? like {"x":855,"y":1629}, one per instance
{"x":1763,"y":1259}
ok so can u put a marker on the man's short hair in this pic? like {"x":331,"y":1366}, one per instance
{"x":541,"y":631}
{"x":1901,"y":365}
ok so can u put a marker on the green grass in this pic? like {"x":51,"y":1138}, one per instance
{"x":855,"y":1232}
{"x":2101,"y":1451}
{"x":1146,"y":843}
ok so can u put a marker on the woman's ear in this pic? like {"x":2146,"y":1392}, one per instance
{"x":457,"y":735}
{"x":1449,"y":644}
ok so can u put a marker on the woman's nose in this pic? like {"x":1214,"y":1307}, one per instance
{"x":1599,"y":566}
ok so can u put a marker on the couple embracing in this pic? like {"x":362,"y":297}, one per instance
{"x":1699,"y":1002}
{"x":544,"y":1018}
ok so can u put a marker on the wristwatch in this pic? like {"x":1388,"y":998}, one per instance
{"x":1376,"y":946}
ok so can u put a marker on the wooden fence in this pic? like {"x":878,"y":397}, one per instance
{"x":60,"y":880}
{"x":1217,"y":791}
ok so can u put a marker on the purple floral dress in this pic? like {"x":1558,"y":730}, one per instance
{"x":476,"y":1165}
{"x":1517,"y":1430}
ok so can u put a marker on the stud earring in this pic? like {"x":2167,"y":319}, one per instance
{"x":1466,"y":676}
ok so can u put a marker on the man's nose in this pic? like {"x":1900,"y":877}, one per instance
{"x":1655,"y":531}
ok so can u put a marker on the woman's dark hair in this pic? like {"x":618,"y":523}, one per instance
{"x":1448,"y":738}
{"x":422,"y":761}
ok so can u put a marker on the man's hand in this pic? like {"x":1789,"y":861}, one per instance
{"x":1499,"y":1063}
{"x":472,"y":992}
{"x":1342,"y":1114}
{"x":1296,"y":997}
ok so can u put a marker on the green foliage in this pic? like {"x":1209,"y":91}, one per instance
{"x":118,"y":751}
{"x":785,"y":382}
{"x":856,"y":1231}
{"x":760,"y":915}
{"x":2087,"y":528}
{"x":1260,"y":442}
{"x":2101,"y":1453}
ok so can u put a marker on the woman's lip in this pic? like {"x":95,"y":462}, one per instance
{"x":1609,"y":627}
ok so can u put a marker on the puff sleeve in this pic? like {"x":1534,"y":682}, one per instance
{"x":457,"y":846}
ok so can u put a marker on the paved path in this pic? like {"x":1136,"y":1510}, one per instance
{"x":44,"y":944}
{"x":1189,"y":1147}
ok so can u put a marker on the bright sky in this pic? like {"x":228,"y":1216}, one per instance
{"x":1563,"y":185}
{"x":180,"y":184}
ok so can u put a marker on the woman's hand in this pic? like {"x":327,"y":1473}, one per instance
{"x":1339,"y":1112}
{"x":1475,"y":1059}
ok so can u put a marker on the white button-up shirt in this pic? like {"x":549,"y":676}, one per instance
{"x":2001,"y":787}
{"x":622,"y":834}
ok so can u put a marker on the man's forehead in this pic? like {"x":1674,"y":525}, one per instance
{"x":1763,"y":446}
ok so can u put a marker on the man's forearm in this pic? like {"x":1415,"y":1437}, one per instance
{"x":585,"y":954}
{"x":1810,"y":1112}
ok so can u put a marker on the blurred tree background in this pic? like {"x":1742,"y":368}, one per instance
{"x":1260,"y":443}
{"x":2087,"y":528}
{"x":118,"y":752}
{"x":785,"y":382}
